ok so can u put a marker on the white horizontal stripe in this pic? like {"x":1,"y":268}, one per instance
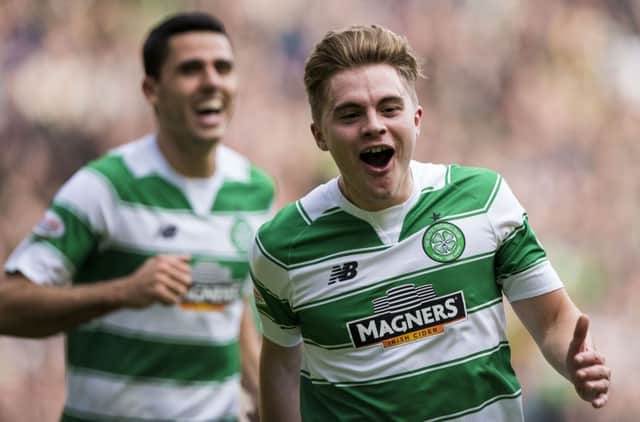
{"x":139,"y":227}
{"x":95,"y":393}
{"x":481,"y":330}
{"x":536,"y":281}
{"x":506,"y":408}
{"x":176,"y":324}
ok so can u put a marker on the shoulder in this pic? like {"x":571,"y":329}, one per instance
{"x":245,"y":185}
{"x":281,"y":234}
{"x":449,"y":177}
{"x":123,"y":164}
{"x":476,"y":186}
{"x":235,"y":166}
{"x":479,"y":177}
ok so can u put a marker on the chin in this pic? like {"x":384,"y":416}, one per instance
{"x":208,"y":138}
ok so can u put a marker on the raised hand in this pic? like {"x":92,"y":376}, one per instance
{"x":586,"y":367}
{"x":162,"y":278}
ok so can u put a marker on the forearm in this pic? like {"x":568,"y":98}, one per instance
{"x":29,"y":310}
{"x":554,"y":343}
{"x":279,"y":383}
{"x":551,"y":319}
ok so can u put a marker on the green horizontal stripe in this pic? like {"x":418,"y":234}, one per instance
{"x":325,"y":323}
{"x":78,"y":238}
{"x":112,"y":263}
{"x":521,"y":252}
{"x":136,"y":357}
{"x":274,"y":308}
{"x":437,"y":393}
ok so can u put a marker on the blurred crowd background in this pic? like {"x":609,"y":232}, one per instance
{"x":547,"y":92}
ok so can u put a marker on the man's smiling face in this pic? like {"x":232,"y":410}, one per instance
{"x":369,"y":124}
{"x":194,"y":94}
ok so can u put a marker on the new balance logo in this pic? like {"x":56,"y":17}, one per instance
{"x":168,"y":231}
{"x":343,"y":272}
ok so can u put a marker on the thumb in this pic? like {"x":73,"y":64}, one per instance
{"x":579,"y":335}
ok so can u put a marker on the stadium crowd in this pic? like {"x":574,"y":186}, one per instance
{"x":546,"y":92}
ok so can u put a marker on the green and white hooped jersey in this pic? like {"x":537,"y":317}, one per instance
{"x":162,"y":363}
{"x":400,"y":311}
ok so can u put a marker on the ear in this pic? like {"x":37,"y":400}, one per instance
{"x":149,"y":89}
{"x":417,"y":118}
{"x":317,"y":135}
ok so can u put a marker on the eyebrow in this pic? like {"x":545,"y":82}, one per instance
{"x":353,"y":104}
{"x":197,"y":60}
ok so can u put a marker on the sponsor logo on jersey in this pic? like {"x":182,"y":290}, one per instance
{"x":406,"y":314}
{"x":443,"y":242}
{"x":51,"y":225}
{"x":241,"y":234}
{"x":343,"y":272}
{"x":213,"y":287}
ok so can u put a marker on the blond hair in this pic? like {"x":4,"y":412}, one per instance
{"x":353,"y":47}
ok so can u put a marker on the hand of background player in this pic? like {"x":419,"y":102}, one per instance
{"x":586,"y":367}
{"x":162,"y":278}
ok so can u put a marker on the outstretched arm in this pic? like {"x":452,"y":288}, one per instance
{"x":31,"y":310}
{"x":562,"y":334}
{"x":279,"y":382}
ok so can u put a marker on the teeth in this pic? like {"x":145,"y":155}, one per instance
{"x":374,"y":150}
{"x":213,"y":104}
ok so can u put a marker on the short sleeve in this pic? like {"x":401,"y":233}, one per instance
{"x":67,"y":233}
{"x":521,"y":264}
{"x":271,"y":285}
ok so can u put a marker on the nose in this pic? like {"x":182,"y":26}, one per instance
{"x":374,"y":126}
{"x":210,"y":77}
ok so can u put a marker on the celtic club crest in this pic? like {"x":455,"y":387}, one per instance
{"x":443,"y":242}
{"x":241,"y":234}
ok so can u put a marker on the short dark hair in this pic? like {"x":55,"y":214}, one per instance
{"x":156,"y":46}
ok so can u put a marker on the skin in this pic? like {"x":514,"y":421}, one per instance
{"x":561,"y":332}
{"x":198,"y":72}
{"x":370,"y":106}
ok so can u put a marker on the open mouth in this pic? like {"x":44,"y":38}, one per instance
{"x":211,"y":107}
{"x":378,"y":156}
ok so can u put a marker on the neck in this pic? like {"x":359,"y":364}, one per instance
{"x":192,"y":159}
{"x":369,"y":202}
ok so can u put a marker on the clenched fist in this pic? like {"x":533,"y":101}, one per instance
{"x":161,"y":279}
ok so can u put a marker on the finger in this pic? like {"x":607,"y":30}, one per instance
{"x":588,"y":358}
{"x":176,"y":269}
{"x":165,"y":295}
{"x":175,"y":286}
{"x":593,"y":373}
{"x":592,"y":390}
{"x":600,"y":401}
{"x":579,"y":335}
